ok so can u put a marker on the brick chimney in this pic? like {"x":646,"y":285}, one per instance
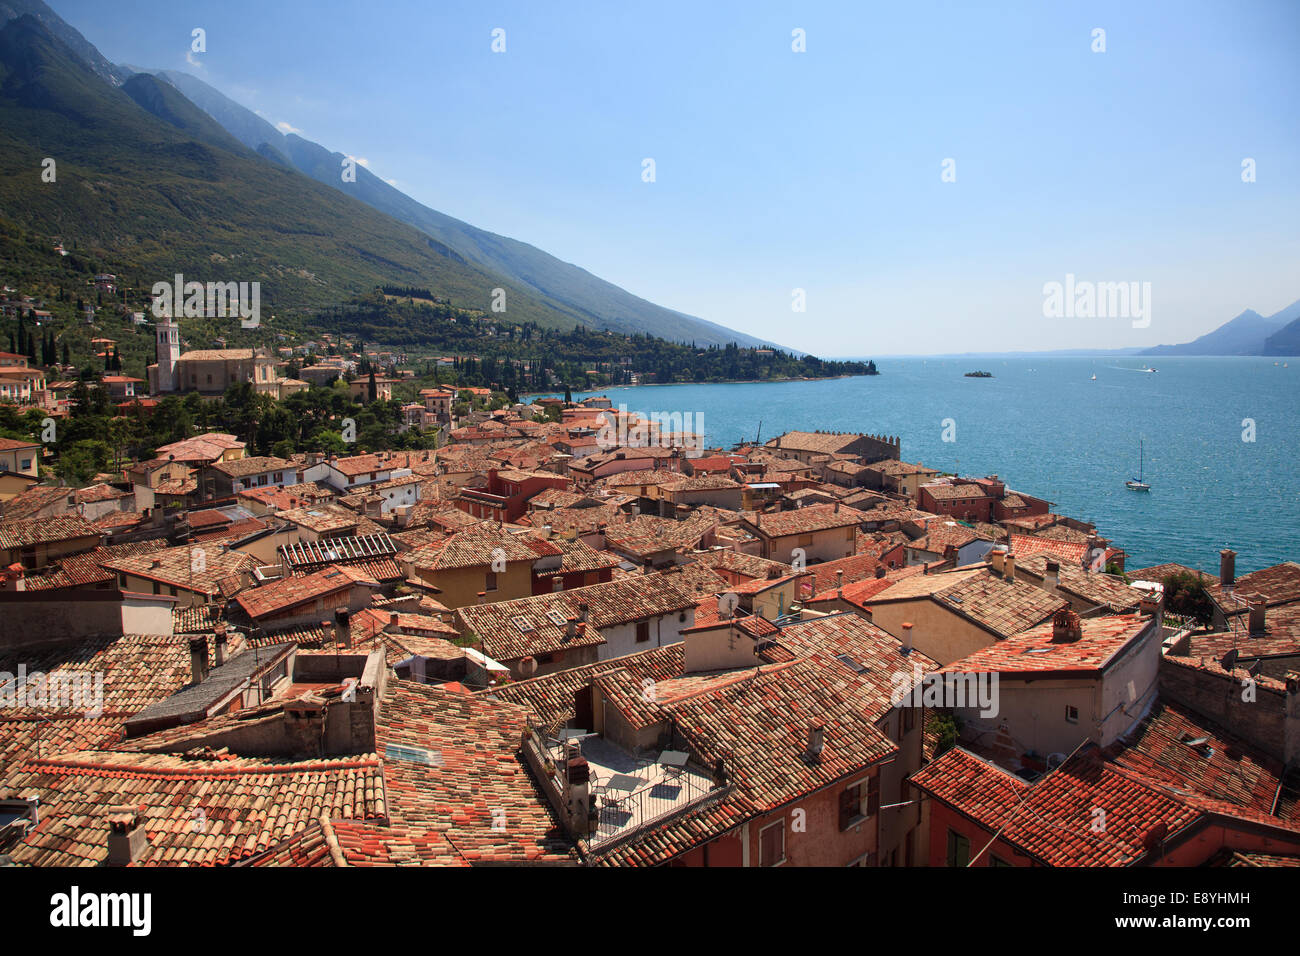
{"x":127,"y":839}
{"x":342,"y":628}
{"x":1009,"y":566}
{"x":220,"y":636}
{"x":1257,"y":612}
{"x":1066,"y":628}
{"x":577,"y":780}
{"x":1227,"y":568}
{"x":1052,"y":576}
{"x":997,"y":557}
{"x":816,"y":743}
{"x":199,"y":658}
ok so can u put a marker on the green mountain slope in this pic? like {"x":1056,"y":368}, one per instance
{"x":146,"y":178}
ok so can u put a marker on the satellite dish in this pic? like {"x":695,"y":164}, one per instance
{"x":1255,"y":668}
{"x":1229,"y":660}
{"x":727,"y":603}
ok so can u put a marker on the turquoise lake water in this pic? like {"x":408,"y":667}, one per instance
{"x":1046,"y":428}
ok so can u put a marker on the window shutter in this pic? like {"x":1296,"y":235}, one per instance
{"x":873,"y":795}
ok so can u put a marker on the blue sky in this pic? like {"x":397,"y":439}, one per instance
{"x":820,"y":170}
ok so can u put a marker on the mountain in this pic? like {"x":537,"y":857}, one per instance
{"x":1243,"y":335}
{"x":1285,"y":341}
{"x":148,"y":180}
{"x":568,"y":288}
{"x":69,"y":36}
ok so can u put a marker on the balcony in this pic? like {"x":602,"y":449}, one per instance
{"x":622,"y":807}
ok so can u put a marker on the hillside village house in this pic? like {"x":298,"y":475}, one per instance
{"x":809,"y":447}
{"x":19,"y":466}
{"x":951,"y":615}
{"x":479,"y":565}
{"x":506,"y":495}
{"x":1064,"y":682}
{"x":900,"y":477}
{"x":38,"y":542}
{"x":571,"y":628}
{"x":225,"y":479}
{"x":964,"y":500}
{"x":359,"y":388}
{"x":820,"y":532}
{"x":194,"y":574}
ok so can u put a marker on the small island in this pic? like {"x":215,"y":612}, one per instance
{"x":979,"y":374}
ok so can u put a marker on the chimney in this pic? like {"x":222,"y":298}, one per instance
{"x":1153,"y":605}
{"x":342,"y":628}
{"x":392,"y":620}
{"x":199,"y":658}
{"x":582,"y":612}
{"x":1227,"y":568}
{"x":816,"y":743}
{"x":570,"y":627}
{"x":907,"y":637}
{"x":1066,"y":628}
{"x":221,"y":643}
{"x":577,"y":777}
{"x":1257,"y":624}
{"x":1009,"y":566}
{"x":127,"y":840}
{"x":1052,"y":576}
{"x":839,"y":578}
{"x":880,"y":571}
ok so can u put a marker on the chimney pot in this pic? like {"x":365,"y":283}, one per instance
{"x":199,"y":658}
{"x":1066,"y":628}
{"x":127,"y":840}
{"x":220,"y":634}
{"x":1227,"y":567}
{"x":1257,"y":612}
{"x":816,"y":742}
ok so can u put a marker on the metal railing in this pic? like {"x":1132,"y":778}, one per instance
{"x":618,"y":816}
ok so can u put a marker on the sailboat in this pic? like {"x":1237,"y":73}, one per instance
{"x":1137,"y":484}
{"x":1094,"y":376}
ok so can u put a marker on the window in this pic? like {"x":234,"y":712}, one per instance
{"x":771,"y":844}
{"x":958,"y":849}
{"x":642,"y":631}
{"x":851,"y":805}
{"x":873,"y":795}
{"x":491,"y":584}
{"x":909,"y":719}
{"x":1071,"y":714}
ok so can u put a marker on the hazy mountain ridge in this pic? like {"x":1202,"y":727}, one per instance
{"x":1247,"y":334}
